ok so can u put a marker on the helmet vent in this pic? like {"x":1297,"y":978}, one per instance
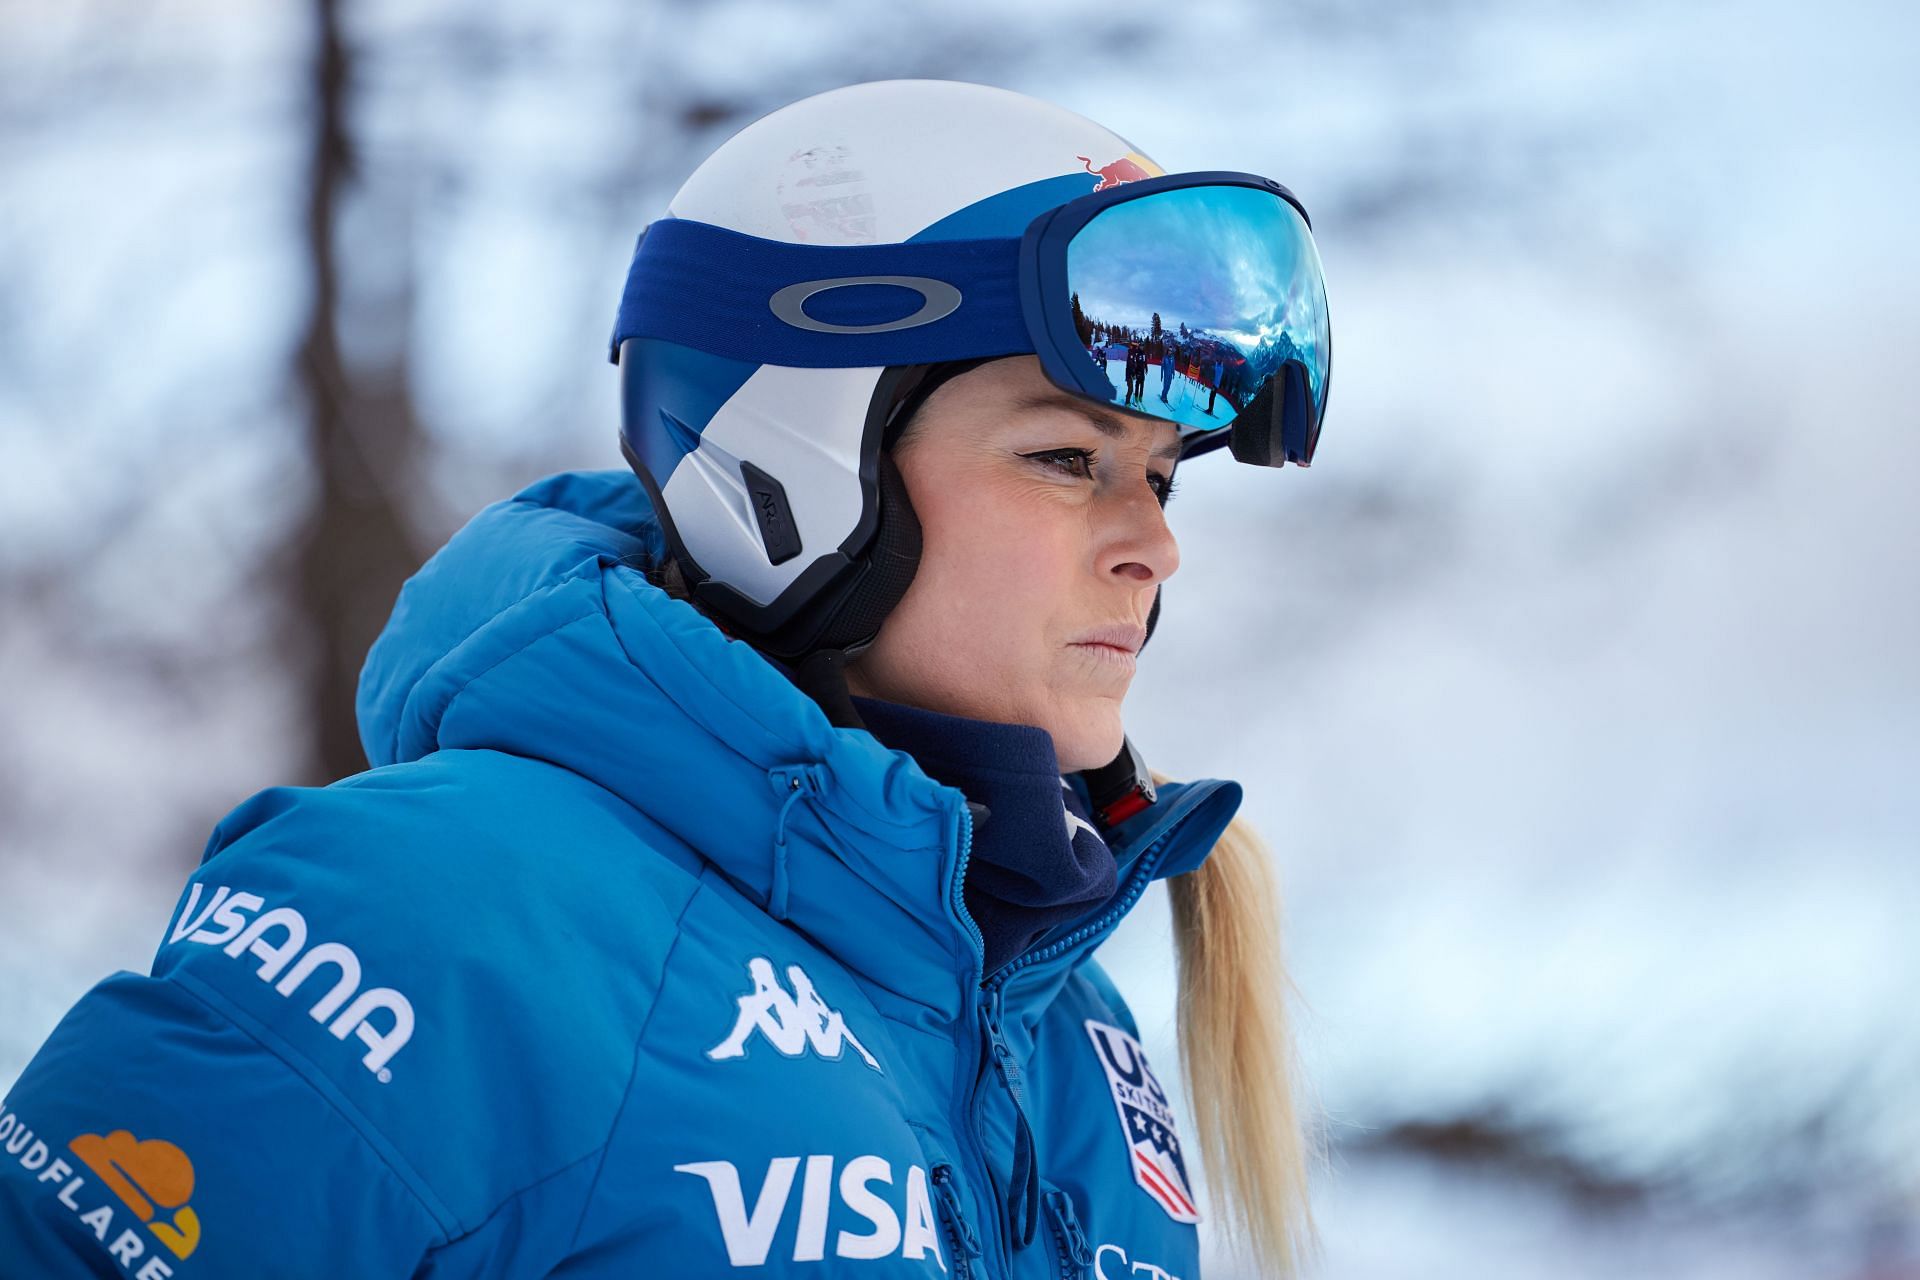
{"x":768,"y":498}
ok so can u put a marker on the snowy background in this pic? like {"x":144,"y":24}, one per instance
{"x":1574,"y":686}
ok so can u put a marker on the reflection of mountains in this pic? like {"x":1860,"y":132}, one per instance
{"x":1264,"y":359}
{"x":1270,"y":355}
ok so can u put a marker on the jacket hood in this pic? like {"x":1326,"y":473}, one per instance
{"x":534,"y":631}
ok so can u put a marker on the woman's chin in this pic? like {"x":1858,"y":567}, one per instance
{"x":1089,"y":740}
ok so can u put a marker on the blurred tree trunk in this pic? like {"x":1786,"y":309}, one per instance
{"x":353,"y":549}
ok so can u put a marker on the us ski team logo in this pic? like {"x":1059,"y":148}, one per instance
{"x":1146,"y":1121}
{"x":791,"y":1023}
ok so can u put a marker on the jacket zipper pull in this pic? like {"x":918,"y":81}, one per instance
{"x":794,"y":782}
{"x":964,"y":1244}
{"x":1023,"y":1204}
{"x":1076,"y":1257}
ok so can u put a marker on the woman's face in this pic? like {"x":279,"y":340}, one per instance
{"x":1043,"y":542}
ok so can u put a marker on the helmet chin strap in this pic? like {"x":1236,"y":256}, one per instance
{"x":1120,"y":788}
{"x":822,"y":676}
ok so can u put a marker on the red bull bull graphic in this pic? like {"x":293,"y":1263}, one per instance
{"x":1131,"y":167}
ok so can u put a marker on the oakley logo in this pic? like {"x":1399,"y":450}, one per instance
{"x":938,"y":299}
{"x":791,"y":1023}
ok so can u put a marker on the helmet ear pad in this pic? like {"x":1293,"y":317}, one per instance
{"x":884,"y":573}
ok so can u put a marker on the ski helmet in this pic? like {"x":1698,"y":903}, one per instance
{"x":815,"y":268}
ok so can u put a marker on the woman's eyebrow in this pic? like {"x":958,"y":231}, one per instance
{"x":1107,"y":424}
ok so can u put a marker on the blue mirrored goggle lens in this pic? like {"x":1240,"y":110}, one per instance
{"x":1191,"y":301}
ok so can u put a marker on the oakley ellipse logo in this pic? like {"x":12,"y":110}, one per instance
{"x":938,"y":300}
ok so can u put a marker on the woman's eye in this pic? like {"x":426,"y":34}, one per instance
{"x":1077,"y":462}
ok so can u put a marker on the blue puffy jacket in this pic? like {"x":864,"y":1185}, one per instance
{"x":621,"y":962}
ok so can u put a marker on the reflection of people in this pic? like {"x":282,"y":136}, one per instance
{"x":1166,"y":369}
{"x":1136,"y":371}
{"x":1213,"y":382}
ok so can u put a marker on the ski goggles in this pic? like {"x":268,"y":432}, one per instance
{"x":1196,"y":299}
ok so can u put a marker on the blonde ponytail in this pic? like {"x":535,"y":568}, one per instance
{"x":1237,"y":1051}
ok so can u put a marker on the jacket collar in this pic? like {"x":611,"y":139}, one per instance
{"x":535,"y":632}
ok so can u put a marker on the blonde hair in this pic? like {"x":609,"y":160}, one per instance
{"x":1237,"y":1051}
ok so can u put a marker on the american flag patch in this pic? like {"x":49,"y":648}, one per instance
{"x":1146,"y":1121}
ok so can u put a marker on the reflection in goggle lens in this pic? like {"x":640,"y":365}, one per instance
{"x":1190,"y":300}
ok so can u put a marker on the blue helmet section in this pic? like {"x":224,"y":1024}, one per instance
{"x":669,"y":393}
{"x":1009,"y":212}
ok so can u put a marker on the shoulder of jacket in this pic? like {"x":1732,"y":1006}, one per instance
{"x":476,"y":832}
{"x":464,"y":949}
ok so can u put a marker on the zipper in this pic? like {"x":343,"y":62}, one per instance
{"x":959,"y":891}
{"x":962,"y":1244}
{"x":1025,"y":1198}
{"x":1023,"y":1206}
{"x":1076,"y":1256}
{"x":971,"y":1089}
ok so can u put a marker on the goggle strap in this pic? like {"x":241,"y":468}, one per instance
{"x":715,"y":290}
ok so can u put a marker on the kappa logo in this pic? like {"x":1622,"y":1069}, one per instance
{"x":792,"y":1023}
{"x":145,"y":1178}
{"x":228,"y":922}
{"x":1146,"y":1121}
{"x":909,"y":1233}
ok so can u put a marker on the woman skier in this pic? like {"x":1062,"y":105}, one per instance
{"x":742,"y":822}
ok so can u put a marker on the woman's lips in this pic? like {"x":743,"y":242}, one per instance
{"x":1116,"y":657}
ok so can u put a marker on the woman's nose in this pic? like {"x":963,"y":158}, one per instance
{"x":1143,"y":547}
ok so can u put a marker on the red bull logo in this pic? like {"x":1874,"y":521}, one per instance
{"x":1128,"y":168}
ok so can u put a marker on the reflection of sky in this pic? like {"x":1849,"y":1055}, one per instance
{"x":1245,"y":270}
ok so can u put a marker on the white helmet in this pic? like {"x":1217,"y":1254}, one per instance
{"x":831,"y":262}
